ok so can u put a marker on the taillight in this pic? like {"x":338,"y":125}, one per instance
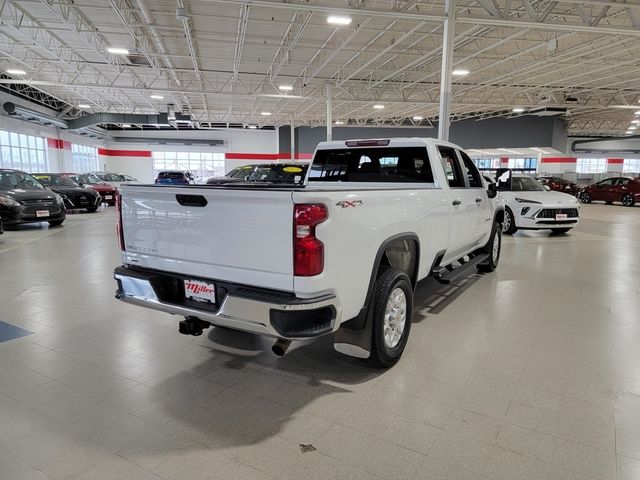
{"x":308,"y":251}
{"x":119,"y":222}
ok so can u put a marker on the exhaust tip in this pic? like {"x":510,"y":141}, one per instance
{"x":280,"y":347}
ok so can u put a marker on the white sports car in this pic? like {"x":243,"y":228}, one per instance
{"x":531,"y":206}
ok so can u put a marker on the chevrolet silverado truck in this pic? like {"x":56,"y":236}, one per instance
{"x":341,"y":253}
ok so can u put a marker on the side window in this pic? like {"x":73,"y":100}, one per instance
{"x":605,"y":183}
{"x":471,"y":171}
{"x":623,"y":181}
{"x":451,"y":167}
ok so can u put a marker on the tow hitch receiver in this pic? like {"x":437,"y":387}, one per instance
{"x":192,"y":326}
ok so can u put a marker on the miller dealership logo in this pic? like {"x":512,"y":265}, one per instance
{"x":349,"y":203}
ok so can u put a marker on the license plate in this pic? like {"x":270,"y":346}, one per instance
{"x":108,"y":197}
{"x":42,"y":213}
{"x":561,"y":216}
{"x":200,"y":291}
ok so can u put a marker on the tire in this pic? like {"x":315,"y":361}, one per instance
{"x":585,"y":197}
{"x":392,"y":306}
{"x":628,"y":200}
{"x":493,"y":248}
{"x":56,"y":223}
{"x":509,"y":223}
{"x":92,"y":210}
{"x":559,"y":231}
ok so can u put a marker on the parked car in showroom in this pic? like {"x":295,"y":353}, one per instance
{"x":530,"y":206}
{"x":175,"y":177}
{"x":559,"y":184}
{"x":75,"y":196}
{"x":625,"y":190}
{"x":115,"y":179}
{"x":107,"y":191}
{"x":23,"y":199}
{"x":264,"y":172}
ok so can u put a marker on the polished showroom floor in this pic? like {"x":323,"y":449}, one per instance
{"x":529,"y":373}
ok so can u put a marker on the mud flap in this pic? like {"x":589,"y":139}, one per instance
{"x":355,"y":342}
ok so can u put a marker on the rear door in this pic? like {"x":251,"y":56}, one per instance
{"x":233,"y":234}
{"x":483,"y":212}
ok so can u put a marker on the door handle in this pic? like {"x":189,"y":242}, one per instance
{"x":479,"y":199}
{"x":456,"y":202}
{"x":191,"y":200}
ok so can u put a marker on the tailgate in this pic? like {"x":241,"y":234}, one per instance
{"x":240,"y":235}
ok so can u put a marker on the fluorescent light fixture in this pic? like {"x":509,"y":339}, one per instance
{"x":118,"y":51}
{"x":339,"y":122}
{"x":518,"y":110}
{"x":632,"y":127}
{"x":635,"y":113}
{"x":285,"y":88}
{"x":460,"y":72}
{"x":16,"y":71}
{"x":339,"y":20}
{"x":84,"y":105}
{"x":378,"y":106}
{"x":265,"y":114}
{"x":417,"y":118}
{"x":126,"y":125}
{"x":635,"y":121}
{"x":253,"y":127}
{"x":156,"y":97}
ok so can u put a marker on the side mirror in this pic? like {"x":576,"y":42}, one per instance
{"x":492,"y":190}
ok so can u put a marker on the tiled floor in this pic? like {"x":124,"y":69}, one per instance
{"x":529,"y":373}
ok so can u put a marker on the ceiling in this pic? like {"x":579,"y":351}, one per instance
{"x":224,"y":61}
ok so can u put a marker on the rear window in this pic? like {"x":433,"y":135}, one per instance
{"x":402,"y":164}
{"x":172,"y":175}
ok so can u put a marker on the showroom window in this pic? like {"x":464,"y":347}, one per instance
{"x":202,"y":165}
{"x":85,"y":158}
{"x":487,"y":163}
{"x":591,"y":165}
{"x":22,"y":152}
{"x":523,"y":164}
{"x":631,"y":165}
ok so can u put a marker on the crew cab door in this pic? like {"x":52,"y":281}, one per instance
{"x":483,"y":213}
{"x":463,"y":205}
{"x":602,"y":190}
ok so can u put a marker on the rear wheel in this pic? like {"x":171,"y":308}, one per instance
{"x":585,"y":197}
{"x":493,"y":248}
{"x":628,"y":200}
{"x":509,"y":222}
{"x":392,"y":307}
{"x":56,"y":223}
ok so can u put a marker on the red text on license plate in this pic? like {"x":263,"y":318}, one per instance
{"x":42,"y":213}
{"x":200,"y":291}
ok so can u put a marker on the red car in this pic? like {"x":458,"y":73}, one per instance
{"x":560,"y":185}
{"x":625,"y":190}
{"x":107,"y":191}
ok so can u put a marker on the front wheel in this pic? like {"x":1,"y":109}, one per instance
{"x":509,"y":222}
{"x":392,"y":307}
{"x":628,"y":200}
{"x":493,"y":247}
{"x":585,"y":197}
{"x":56,"y":223}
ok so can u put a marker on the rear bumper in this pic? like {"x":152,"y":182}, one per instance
{"x":239,"y":307}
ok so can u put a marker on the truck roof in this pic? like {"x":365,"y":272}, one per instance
{"x":384,"y":142}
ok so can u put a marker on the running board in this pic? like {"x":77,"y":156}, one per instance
{"x":446,"y":276}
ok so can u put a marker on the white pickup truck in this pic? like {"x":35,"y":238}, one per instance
{"x":341,"y":252}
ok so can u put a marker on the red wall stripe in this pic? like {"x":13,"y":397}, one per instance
{"x":618,"y":161}
{"x":559,"y":160}
{"x":58,"y":144}
{"x":250,"y":156}
{"x":124,"y":153}
{"x":504,"y":159}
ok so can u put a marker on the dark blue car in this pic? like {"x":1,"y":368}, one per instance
{"x":175,"y":177}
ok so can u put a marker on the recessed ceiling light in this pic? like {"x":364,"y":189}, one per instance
{"x":635,"y":121}
{"x":339,"y":20}
{"x":460,"y":72}
{"x":339,"y":122}
{"x":84,"y":105}
{"x":252,"y":127}
{"x":266,"y":114}
{"x":16,"y":71}
{"x":156,"y":97}
{"x":118,"y":51}
{"x":285,"y":88}
{"x":418,"y":118}
{"x":126,"y":125}
{"x":378,"y":107}
{"x":518,"y":110}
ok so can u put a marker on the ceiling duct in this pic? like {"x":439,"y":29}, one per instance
{"x":33,"y":116}
{"x":131,"y":118}
{"x":547,"y":111}
{"x":170,"y":141}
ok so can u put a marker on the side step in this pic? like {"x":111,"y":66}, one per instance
{"x":446,"y":275}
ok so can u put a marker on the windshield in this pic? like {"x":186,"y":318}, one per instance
{"x":526,"y":184}
{"x":278,"y":173}
{"x":241,"y":172}
{"x":110,"y":177}
{"x":18,"y":180}
{"x":172,"y":175}
{"x":88,"y":179}
{"x":55,"y":181}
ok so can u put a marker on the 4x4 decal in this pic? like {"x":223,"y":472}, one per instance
{"x":349,"y":203}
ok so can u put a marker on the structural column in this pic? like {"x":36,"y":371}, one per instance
{"x":448,"y":36}
{"x":329,"y":117}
